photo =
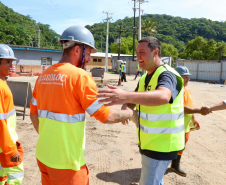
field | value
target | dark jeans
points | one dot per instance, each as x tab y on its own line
123	77
138	72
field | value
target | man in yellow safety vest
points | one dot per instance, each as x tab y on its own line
139	71
159	101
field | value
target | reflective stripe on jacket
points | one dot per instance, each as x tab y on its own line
8	135
62	95
161	127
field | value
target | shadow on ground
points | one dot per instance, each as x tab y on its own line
123	177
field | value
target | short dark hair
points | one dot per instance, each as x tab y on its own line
68	50
153	43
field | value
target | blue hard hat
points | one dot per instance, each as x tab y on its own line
182	70
80	35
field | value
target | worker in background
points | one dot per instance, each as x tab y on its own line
124	71
190	122
159	101
11	151
62	95
138	71
120	68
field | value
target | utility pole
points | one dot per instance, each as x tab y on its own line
39	38
119	47
32	43
106	53
220	56
134	26
139	32
101	42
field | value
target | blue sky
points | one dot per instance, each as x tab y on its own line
60	14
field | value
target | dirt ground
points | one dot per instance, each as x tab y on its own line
112	153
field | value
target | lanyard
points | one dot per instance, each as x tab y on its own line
83	56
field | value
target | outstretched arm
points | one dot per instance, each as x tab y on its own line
203	111
115	96
116	116
219	106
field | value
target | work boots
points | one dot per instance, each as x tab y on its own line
175	165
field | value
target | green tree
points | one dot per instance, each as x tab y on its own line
18	29
148	26
203	49
169	50
126	46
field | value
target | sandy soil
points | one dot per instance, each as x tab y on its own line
112	153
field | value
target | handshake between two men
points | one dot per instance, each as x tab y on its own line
117	96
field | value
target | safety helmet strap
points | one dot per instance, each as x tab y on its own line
83	56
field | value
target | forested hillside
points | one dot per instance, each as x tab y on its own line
172	30
17	29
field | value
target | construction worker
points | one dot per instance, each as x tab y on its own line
11	151
189	118
120	68
123	71
139	71
159	101
62	95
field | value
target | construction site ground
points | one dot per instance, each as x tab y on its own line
112	154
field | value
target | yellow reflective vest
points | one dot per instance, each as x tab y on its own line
161	128
123	70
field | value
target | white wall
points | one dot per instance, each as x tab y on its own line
29	57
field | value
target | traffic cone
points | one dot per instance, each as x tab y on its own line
102	79
43	68
119	81
31	74
13	71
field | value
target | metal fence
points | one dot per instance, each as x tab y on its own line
205	70
132	65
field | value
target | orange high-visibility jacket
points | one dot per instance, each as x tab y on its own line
187	102
8	135
62	95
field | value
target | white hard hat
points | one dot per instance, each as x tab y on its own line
124	62
6	52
